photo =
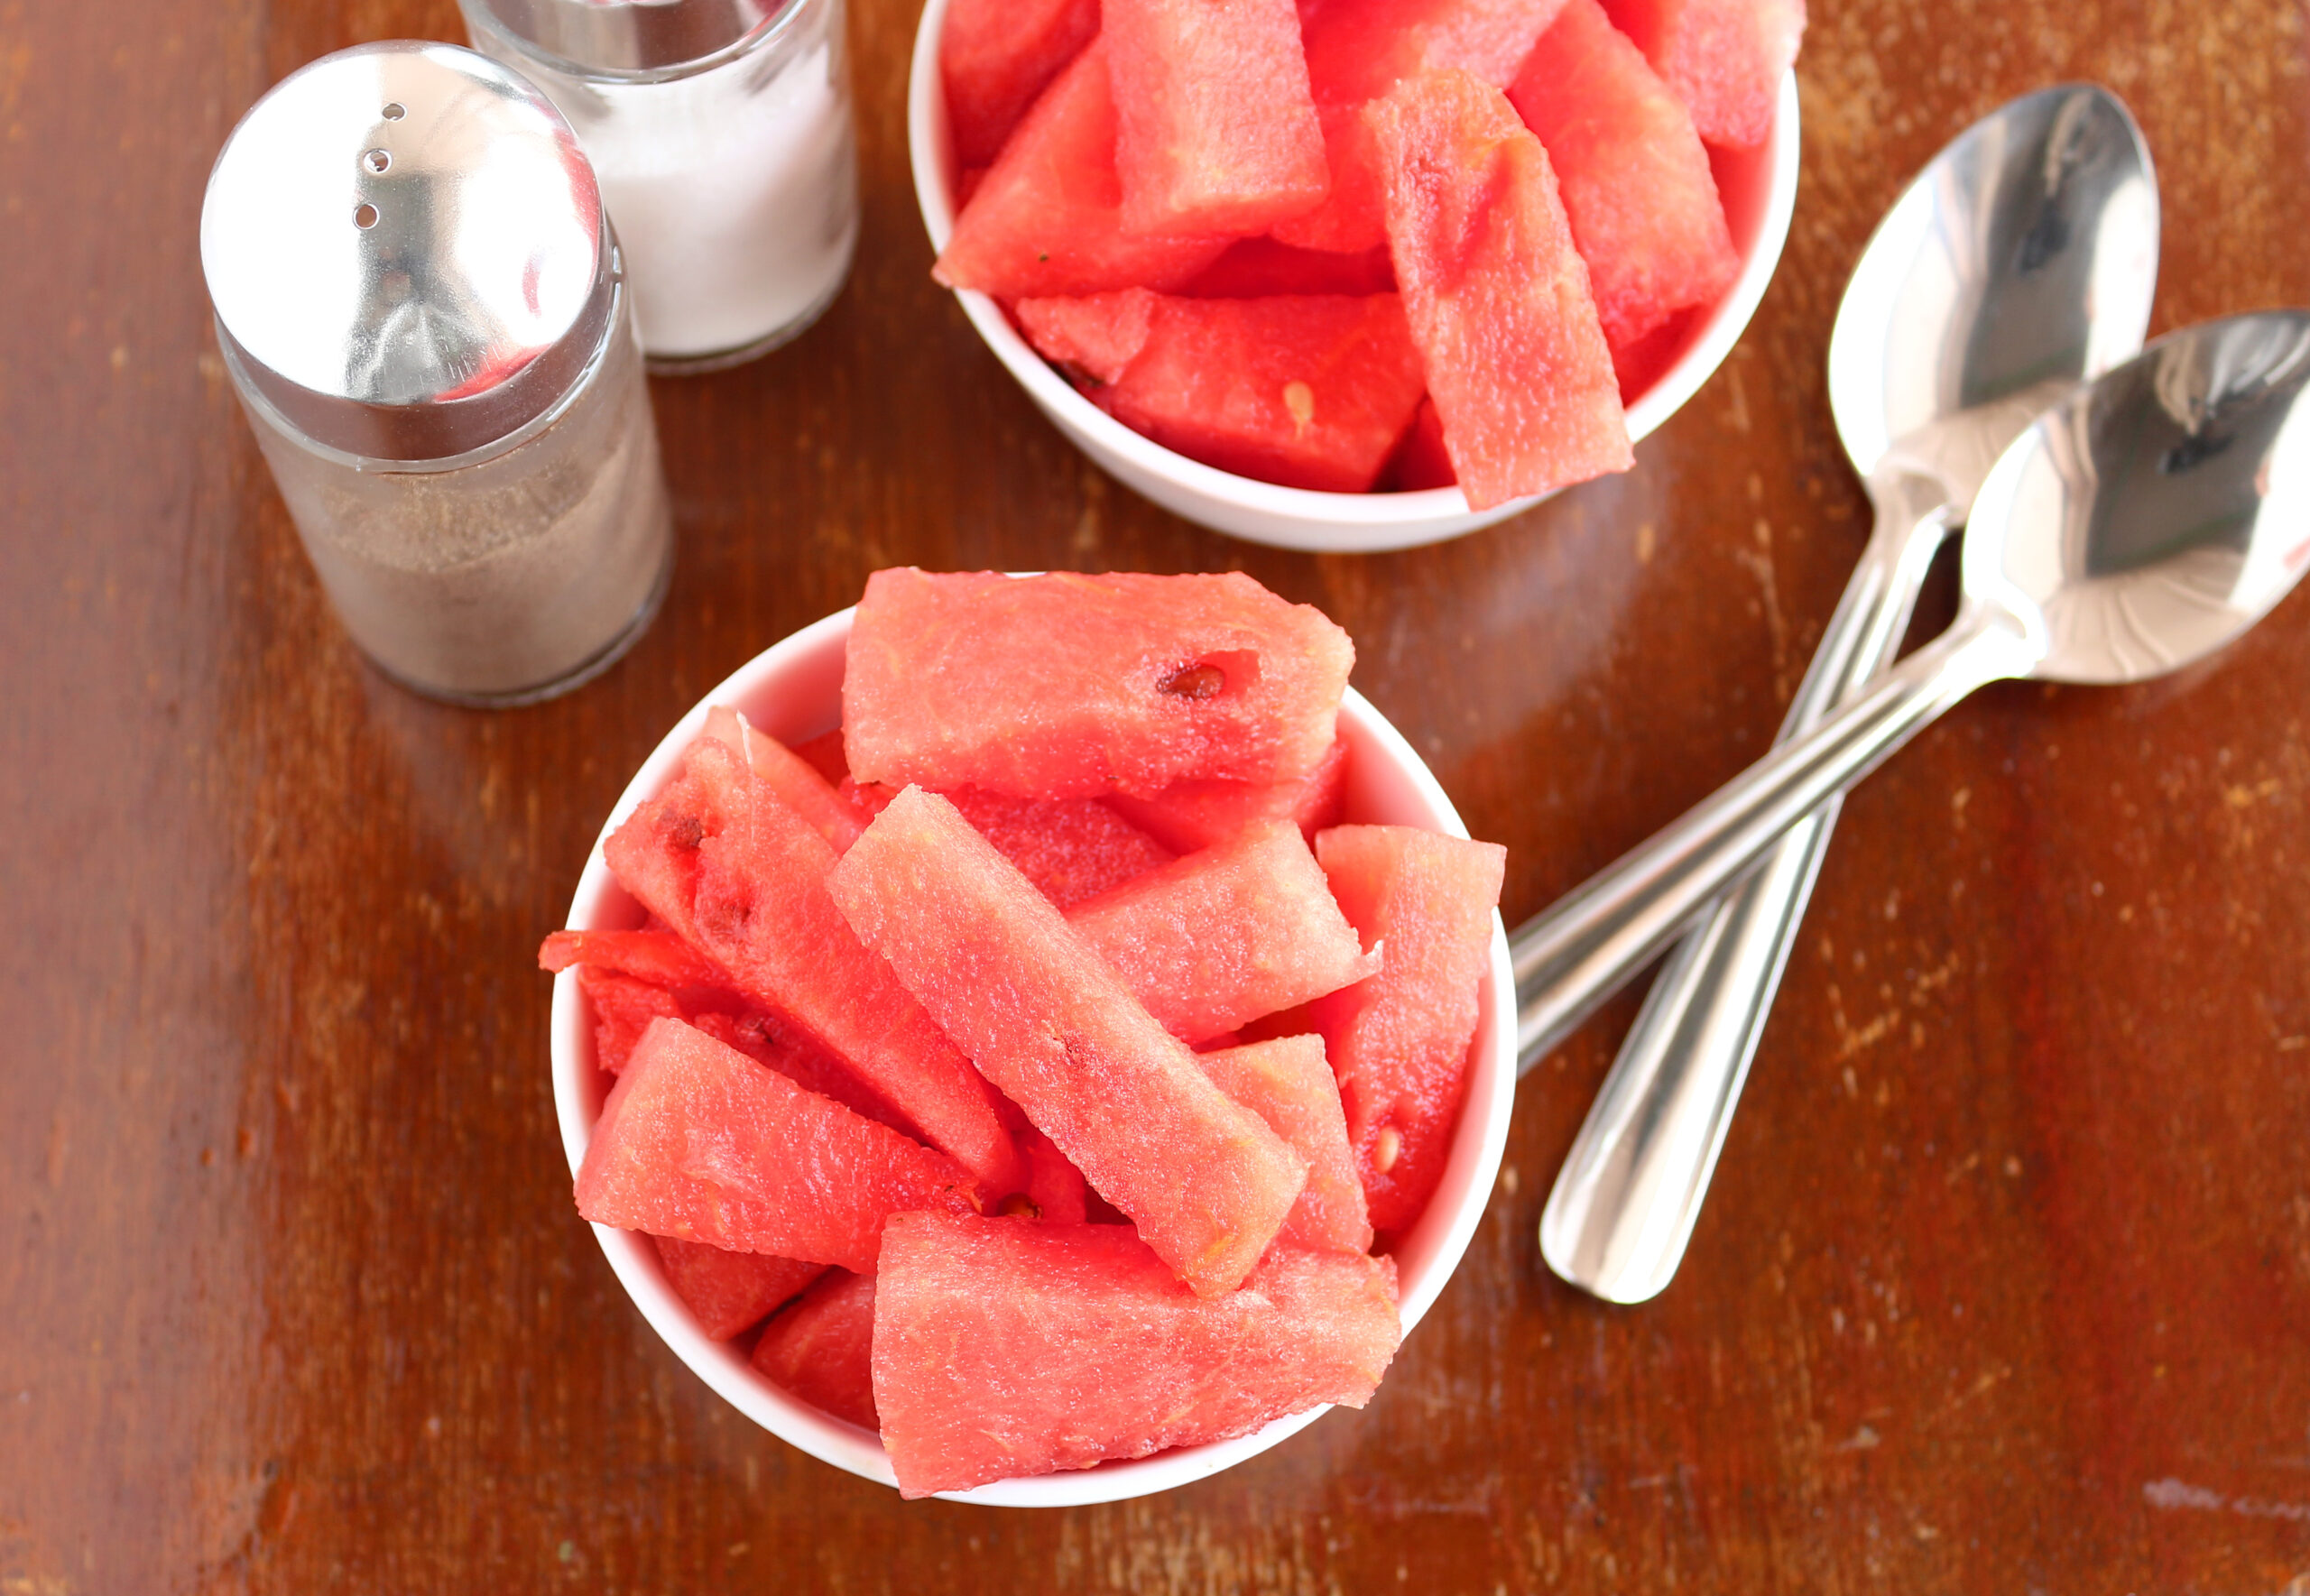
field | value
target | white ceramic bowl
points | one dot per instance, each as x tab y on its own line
1759	191
793	691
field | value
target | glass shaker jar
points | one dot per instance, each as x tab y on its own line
722	132
422	307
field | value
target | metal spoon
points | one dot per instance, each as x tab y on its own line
2018	264
2141	524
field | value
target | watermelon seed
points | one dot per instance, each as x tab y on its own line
1019	1205
1387	1149
1194	681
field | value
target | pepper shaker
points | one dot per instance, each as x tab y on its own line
423	312
722	132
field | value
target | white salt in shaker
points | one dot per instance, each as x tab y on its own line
422	307
722	132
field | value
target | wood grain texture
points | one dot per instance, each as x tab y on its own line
2005	1279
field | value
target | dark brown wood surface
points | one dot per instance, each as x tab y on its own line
2005	1282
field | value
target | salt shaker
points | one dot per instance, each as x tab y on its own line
722	132
422	310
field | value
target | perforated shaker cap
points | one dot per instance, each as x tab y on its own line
406	250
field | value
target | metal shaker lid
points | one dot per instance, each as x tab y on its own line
630	35
407	252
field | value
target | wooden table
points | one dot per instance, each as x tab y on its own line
2005	1282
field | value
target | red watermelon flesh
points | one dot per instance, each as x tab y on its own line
996	56
1070	848
1005	1347
821	1348
1724	57
823	753
1352	217
1635	181
1359	49
1308	391
1399	1042
1046	219
700	1143
623	1009
774	1045
1050	1023
1422	461
623	1006
1091	338
1192	814
1215	129
1070	685
788	775
741	877
1288	1083
730	1291
1497	296
658	958
1256	268
1228	934
1055	1187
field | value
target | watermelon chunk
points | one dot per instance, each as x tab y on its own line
1497	296
623	1009
1399	1042
823	753
996	56
821	1348
786	773
1724	57
1067	686
774	1045
700	1143
730	1291
1352	217
1422	461
1055	1187
741	877
1005	1347
1069	848
658	957
1226	934
1635	181
1195	813
1256	268
1288	1083
1048	216
1215	129
1044	1018
1308	391
1359	49
1093	338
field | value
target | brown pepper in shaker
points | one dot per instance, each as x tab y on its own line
421	302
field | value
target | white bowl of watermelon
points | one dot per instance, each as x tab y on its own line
792	692
1167	361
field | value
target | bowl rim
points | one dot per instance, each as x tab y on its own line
1357	522
809	660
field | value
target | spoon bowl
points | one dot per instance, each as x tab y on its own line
2174	497
2024	256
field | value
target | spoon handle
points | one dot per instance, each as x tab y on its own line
1623	1206
1571	957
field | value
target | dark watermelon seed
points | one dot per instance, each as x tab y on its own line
1194	681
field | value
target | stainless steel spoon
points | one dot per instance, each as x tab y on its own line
2141	524
2020	261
